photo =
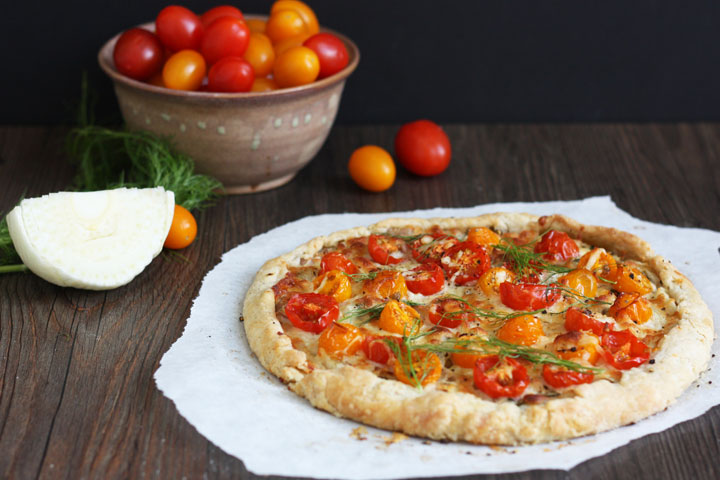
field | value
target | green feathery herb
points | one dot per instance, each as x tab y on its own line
409	238
9	259
371	313
361	277
526	261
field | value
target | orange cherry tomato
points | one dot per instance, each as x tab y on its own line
386	284
297	66
599	262
523	330
307	13
466	360
263	84
629	279
577	347
399	318
184	70
484	236
340	339
288	43
284	24
183	229
490	281
260	54
631	307
372	168
334	283
581	281
426	366
255	25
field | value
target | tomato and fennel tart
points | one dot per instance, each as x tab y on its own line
498	329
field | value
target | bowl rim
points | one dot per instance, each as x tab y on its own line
105	55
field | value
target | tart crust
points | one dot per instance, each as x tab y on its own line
358	394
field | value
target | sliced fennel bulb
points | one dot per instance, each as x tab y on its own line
91	240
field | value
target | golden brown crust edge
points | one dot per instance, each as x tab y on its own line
360	395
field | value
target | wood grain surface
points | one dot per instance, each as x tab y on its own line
77	397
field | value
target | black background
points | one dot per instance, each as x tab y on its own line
451	61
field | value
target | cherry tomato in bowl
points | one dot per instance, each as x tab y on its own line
138	54
220	11
331	52
225	37
184	70
231	74
179	28
423	148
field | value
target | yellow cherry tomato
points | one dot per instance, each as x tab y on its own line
629	279
579	347
255	25
581	281
260	54
263	84
483	236
631	307
334	283
386	284
372	168
184	70
490	281
523	330
468	360
296	66
307	13
340	339
599	262
288	43
183	229
426	366
397	317
284	24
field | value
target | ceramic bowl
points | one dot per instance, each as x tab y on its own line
249	141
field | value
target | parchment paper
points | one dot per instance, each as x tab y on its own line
220	388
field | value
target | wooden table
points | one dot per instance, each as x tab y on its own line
77	397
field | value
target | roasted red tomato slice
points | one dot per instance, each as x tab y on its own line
528	296
450	313
500	377
377	350
386	250
337	261
560	377
465	262
557	246
312	312
577	321
431	247
623	350
426	279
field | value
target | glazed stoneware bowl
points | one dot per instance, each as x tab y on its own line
249	141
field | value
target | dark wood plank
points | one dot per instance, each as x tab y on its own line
77	397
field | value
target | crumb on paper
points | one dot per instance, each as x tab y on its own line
497	448
395	437
359	433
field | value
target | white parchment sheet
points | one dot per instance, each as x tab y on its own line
221	389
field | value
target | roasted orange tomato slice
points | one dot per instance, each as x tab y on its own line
483	236
523	330
426	367
334	283
490	281
599	262
340	340
629	279
631	307
397	317
387	284
581	281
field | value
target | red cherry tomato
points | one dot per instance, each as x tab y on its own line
557	246
225	37
312	312
450	313
623	350
377	350
337	261
221	11
559	377
431	247
423	148
138	54
500	377
231	74
178	28
386	250
577	321
465	262
528	296
426	279
331	52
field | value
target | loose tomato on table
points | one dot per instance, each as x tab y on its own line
465	262
302	9
337	261
631	307
225	37
231	74
184	70
397	317
386	250
376	348
557	246
577	321
183	229
179	28
423	148
371	167
138	54
623	350
523	330
491	280
334	283
312	312
426	279
340	339
528	296
450	313
331	52
220	11
561	377
423	367
500	377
